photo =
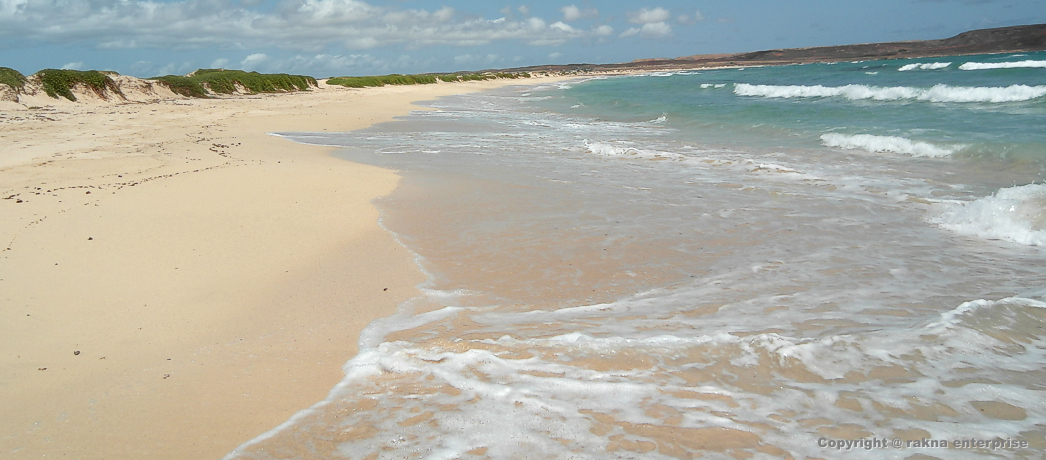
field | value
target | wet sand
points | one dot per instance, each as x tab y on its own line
175	281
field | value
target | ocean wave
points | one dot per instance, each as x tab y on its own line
1016	214
927	66
893	144
1003	65
937	93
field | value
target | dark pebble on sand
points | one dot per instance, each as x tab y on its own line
76	353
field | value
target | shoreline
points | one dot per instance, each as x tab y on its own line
175	281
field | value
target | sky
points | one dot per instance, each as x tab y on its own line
325	38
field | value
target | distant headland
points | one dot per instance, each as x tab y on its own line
983	41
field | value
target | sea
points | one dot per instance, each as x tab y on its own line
842	260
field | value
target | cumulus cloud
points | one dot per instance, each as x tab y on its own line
573	13
602	31
254	61
559	25
303	25
219	63
652	31
74	66
646	16
655	30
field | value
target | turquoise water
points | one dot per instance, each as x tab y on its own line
995	113
762	263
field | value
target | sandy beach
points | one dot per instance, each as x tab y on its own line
174	280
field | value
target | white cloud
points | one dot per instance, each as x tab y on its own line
311	26
361	43
74	66
646	16
536	23
573	13
559	25
444	14
655	30
219	63
255	58
602	31
254	61
524	9
554	56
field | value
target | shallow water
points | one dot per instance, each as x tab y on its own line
755	263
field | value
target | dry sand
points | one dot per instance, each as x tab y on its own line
173	280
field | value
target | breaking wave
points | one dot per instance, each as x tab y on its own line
1015	214
893	144
1003	65
937	93
928	66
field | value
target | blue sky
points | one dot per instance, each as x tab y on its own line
326	38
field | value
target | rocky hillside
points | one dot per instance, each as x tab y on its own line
984	41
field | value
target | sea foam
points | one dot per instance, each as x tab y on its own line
1003	65
1015	214
893	144
937	93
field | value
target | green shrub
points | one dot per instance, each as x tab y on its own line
397	79
59	82
223	81
184	86
12	78
382	80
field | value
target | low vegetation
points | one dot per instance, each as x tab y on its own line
59	82
12	78
221	81
425	79
382	80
